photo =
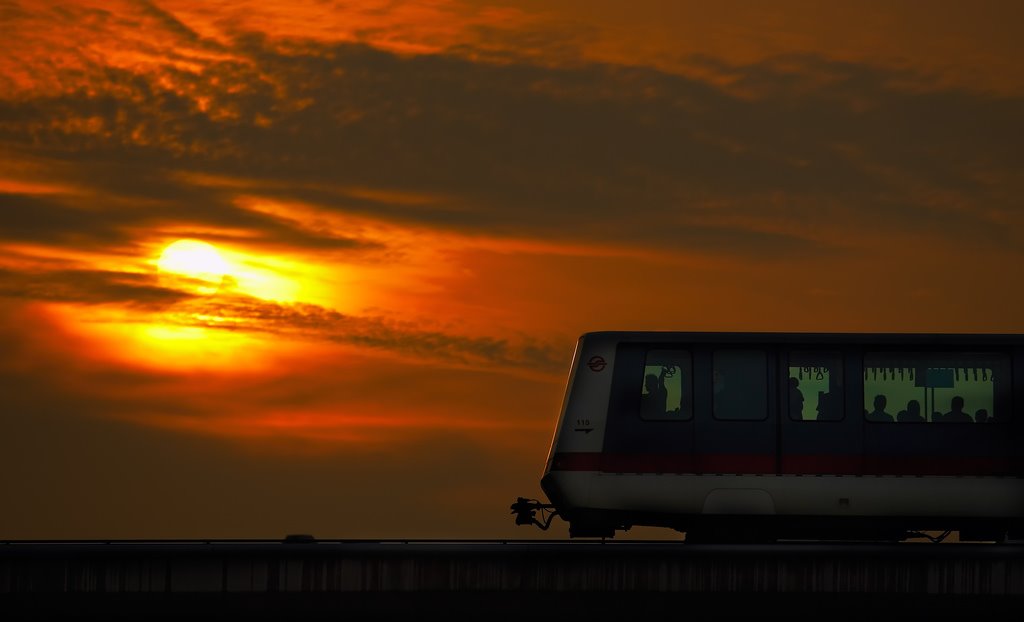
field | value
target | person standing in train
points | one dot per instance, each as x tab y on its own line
654	401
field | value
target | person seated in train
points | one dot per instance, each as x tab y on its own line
796	399
879	414
956	412
981	416
936	416
912	414
655	400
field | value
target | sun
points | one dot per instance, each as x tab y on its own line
196	262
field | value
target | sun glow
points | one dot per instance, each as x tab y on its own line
202	268
230	313
197	262
147	341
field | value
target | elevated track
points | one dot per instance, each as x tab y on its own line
503	580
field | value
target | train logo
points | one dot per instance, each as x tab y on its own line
596	363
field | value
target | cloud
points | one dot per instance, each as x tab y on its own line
240	312
793	152
796	158
88	287
119	215
234	311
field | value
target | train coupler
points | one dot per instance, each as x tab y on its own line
526	512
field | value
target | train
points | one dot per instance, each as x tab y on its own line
762	437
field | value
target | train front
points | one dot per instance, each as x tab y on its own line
575	453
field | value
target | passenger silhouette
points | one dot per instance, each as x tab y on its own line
956	412
655	401
981	416
828	408
796	399
911	414
936	416
879	414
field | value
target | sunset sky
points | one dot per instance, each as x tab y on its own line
278	267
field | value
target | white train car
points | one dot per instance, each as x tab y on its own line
764	436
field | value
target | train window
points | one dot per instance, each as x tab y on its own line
815	382
930	387
740	381
667	390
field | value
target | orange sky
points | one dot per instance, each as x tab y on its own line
403	214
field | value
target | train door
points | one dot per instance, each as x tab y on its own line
736	410
650	417
820	428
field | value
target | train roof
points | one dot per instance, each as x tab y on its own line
797	338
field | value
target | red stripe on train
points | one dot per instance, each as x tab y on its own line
807	464
823	464
936	465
